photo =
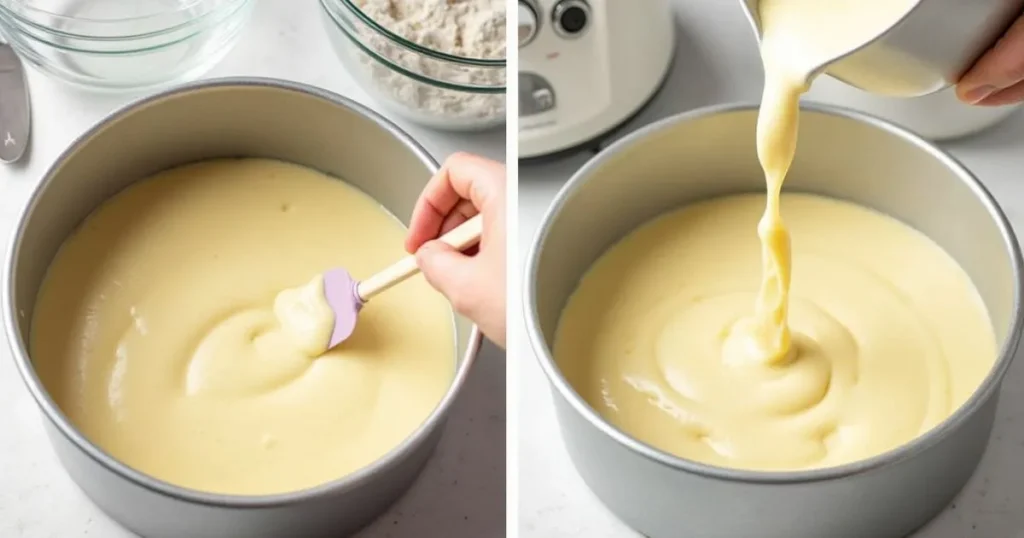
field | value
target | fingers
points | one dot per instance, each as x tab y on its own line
1013	94
472	281
471	177
463	177
450	272
1002	67
462	212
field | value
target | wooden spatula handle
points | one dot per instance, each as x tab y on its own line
460	238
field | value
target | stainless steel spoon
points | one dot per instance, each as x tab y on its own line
15	111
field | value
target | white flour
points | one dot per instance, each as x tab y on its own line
464	28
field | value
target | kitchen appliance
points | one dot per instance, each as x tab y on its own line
710	152
587	66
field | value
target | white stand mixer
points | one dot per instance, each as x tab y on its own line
587	66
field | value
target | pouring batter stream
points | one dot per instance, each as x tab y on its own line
798	38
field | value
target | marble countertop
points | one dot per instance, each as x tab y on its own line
717	62
461	494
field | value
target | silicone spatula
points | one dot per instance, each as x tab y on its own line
346	296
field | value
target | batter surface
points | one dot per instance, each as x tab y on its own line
163	333
863	337
888	336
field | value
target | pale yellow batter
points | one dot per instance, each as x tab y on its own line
889	336
681	336
799	37
163	333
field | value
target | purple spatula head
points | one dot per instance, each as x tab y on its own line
340	290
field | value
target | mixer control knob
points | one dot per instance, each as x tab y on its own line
571	18
536	96
529	23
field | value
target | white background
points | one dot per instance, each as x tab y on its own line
717	62
461	493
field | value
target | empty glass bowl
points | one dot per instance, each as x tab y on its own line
123	44
423	85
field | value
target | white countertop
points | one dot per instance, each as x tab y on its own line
461	494
717	62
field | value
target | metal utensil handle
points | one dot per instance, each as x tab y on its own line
460	238
15	106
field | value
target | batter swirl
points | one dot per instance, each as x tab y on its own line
163	333
888	336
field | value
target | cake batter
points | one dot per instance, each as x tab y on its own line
680	337
889	336
798	37
180	329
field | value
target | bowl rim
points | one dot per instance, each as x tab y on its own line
59	420
24	14
351	6
408	72
561	386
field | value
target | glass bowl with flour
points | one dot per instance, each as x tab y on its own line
438	63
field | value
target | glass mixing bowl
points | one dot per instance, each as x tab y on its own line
423	85
123	44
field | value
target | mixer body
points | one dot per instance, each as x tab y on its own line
586	66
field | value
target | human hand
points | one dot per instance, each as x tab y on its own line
997	78
473	281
